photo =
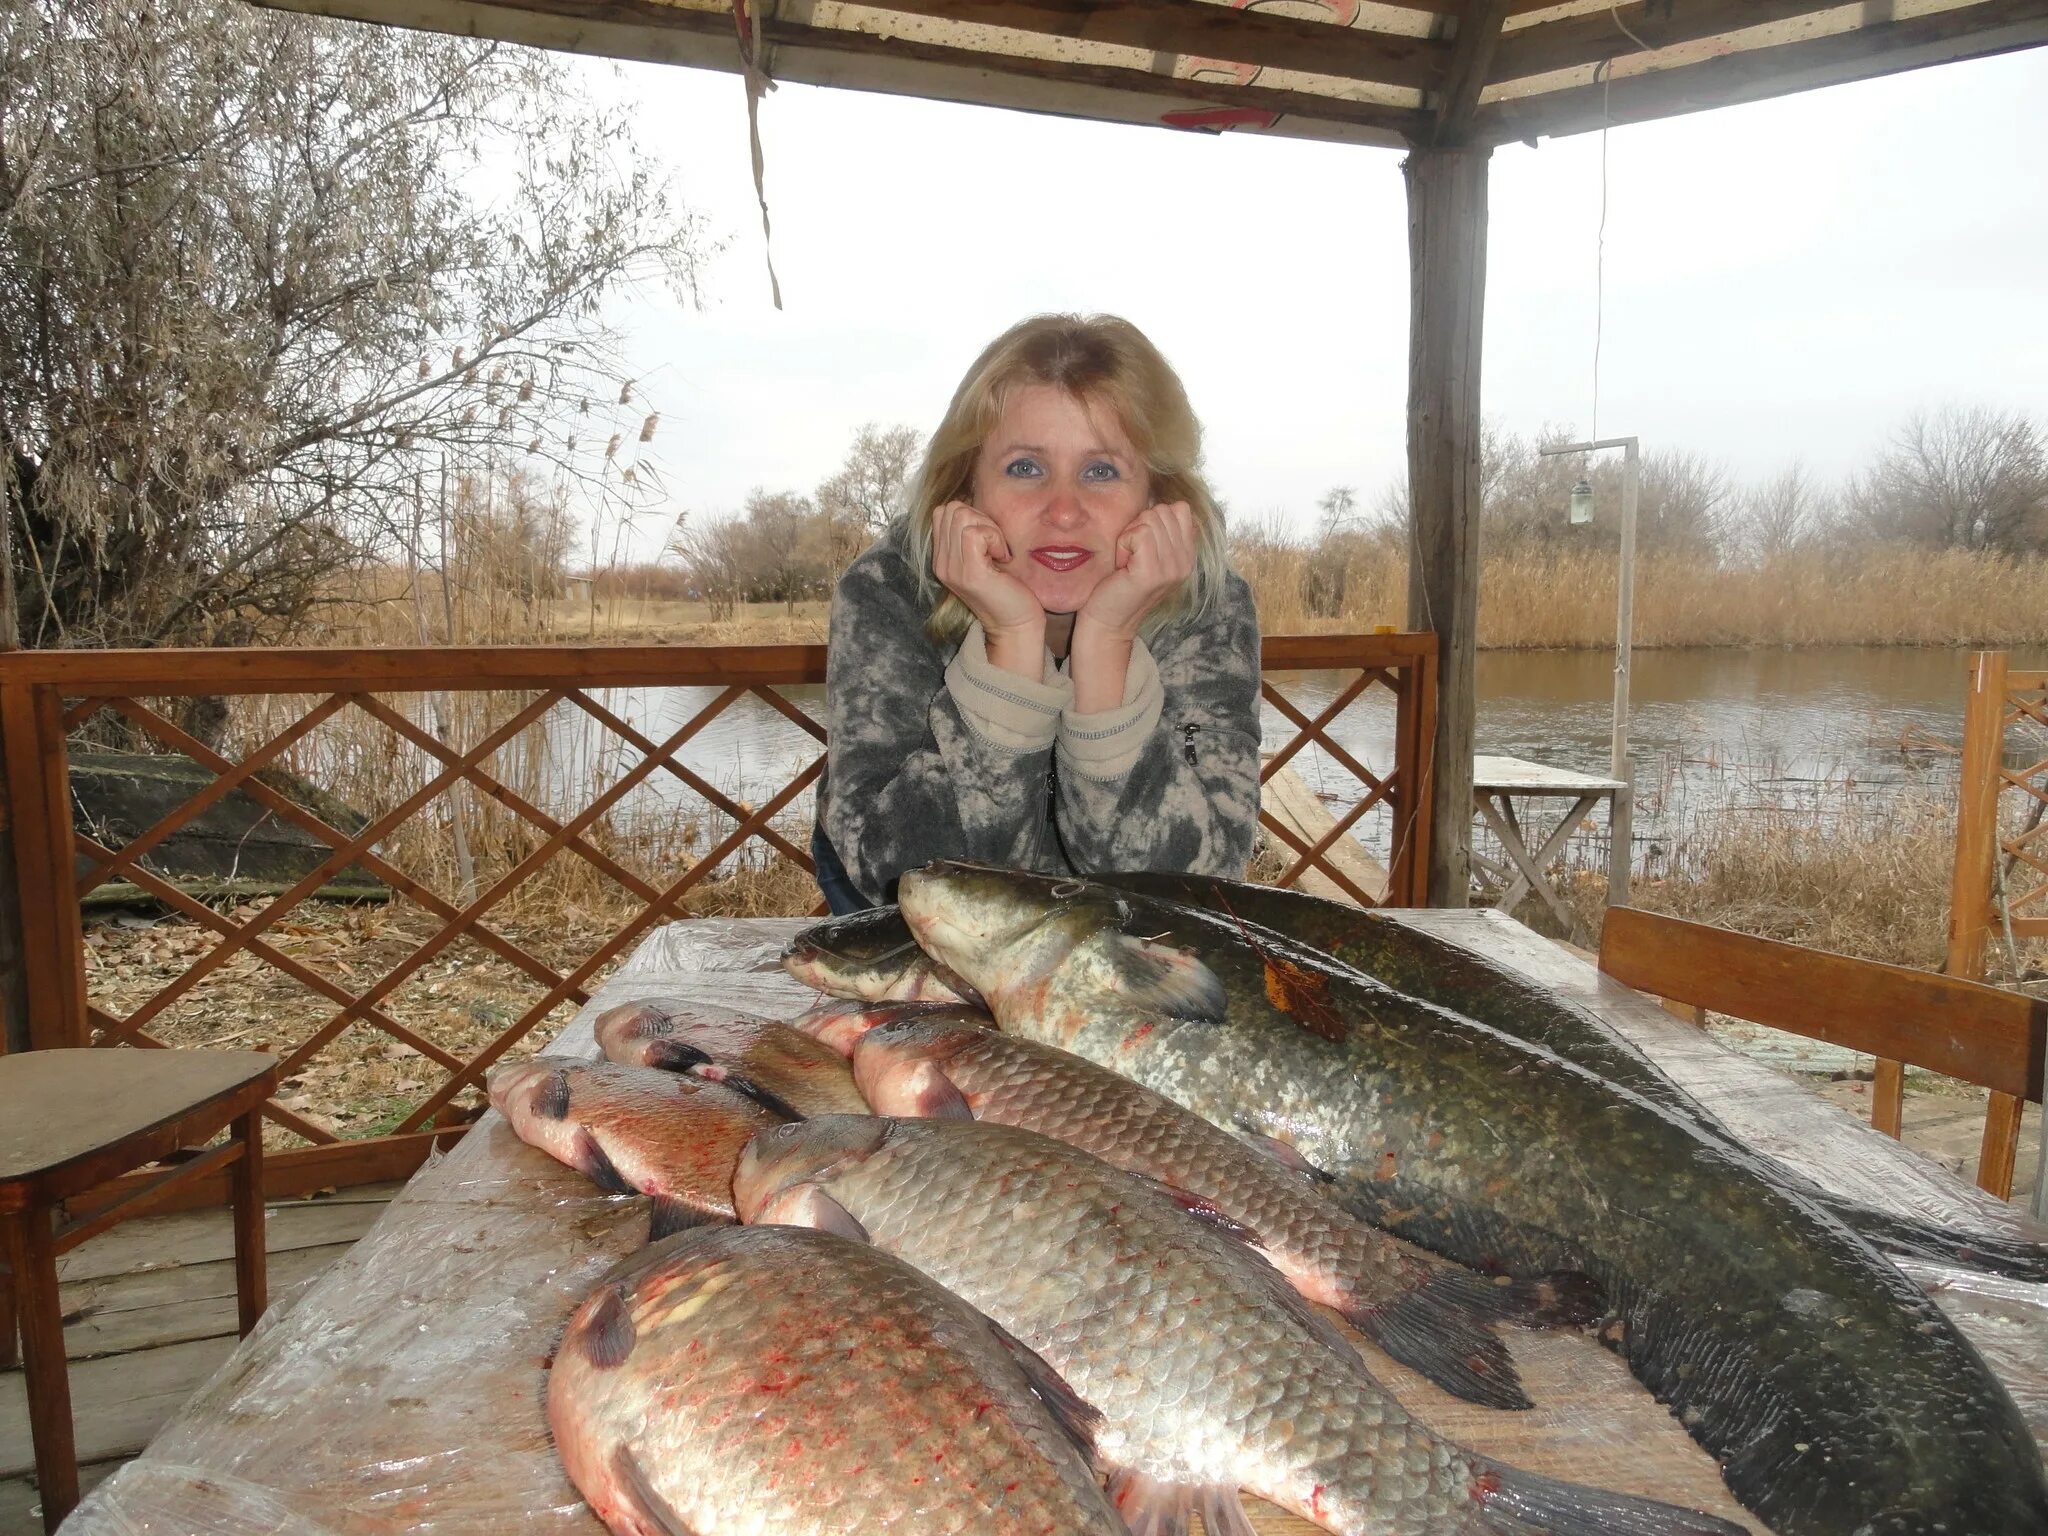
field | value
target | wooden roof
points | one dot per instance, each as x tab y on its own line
1398	72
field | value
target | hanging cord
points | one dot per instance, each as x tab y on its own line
1603	72
758	85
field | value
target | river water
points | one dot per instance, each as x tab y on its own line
1712	732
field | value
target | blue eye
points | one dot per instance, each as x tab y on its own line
1101	469
1021	469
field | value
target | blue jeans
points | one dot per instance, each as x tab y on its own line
841	895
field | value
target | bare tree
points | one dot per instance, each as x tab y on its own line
1961	478
712	548
259	272
1781	516
1339	507
857	502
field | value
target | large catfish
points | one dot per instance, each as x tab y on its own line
1438	971
1839	1400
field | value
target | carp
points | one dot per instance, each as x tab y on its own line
767	1381
634	1130
1428	1314
1211	1375
1439	971
1838	1399
772	1062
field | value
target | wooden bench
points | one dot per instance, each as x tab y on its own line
70	1120
1904	1017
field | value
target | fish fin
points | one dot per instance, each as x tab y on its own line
1440	1329
1222	1512
768	1099
654	1514
1150	1507
1511	1502
933	1095
603	1172
810	1206
671	1216
672	1055
1076	1419
1281	1153
552	1102
1165	980
607	1334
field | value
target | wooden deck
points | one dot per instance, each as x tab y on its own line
150	1306
149	1314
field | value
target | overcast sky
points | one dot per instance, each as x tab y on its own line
1783	280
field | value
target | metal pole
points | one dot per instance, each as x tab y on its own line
1621	810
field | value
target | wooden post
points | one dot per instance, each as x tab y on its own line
14	1034
1969	901
39	800
1447	295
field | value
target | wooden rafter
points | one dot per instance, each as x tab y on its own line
1576	41
1967	31
1206	32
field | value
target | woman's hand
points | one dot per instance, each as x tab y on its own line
968	556
1154	555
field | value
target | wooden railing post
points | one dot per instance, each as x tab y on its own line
1969	917
39	799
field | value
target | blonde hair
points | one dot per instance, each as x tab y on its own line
1104	362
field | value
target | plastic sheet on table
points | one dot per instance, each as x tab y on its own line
404	1390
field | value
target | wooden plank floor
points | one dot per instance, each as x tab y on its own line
150	1311
149	1314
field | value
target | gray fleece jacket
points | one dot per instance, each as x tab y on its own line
937	753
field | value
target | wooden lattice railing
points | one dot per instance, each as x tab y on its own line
290	702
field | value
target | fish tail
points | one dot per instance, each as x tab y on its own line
1440	1329
1510	1502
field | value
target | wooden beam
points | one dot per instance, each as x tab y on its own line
1577	41
297	1171
1447	300
1470	65
703	39
1204	32
1969	31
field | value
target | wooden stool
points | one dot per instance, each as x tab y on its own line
70	1121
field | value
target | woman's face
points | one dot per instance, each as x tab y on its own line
1062	481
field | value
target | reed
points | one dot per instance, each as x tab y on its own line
1547	597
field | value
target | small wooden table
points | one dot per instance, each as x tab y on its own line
1496	784
69	1122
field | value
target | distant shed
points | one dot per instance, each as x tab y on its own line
1444	79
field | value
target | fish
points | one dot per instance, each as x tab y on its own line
1426	1313
841	1022
871	956
771	1062
1837	1398
1438	971
740	1381
1210	1374
635	1130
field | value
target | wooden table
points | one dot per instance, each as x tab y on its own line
70	1120
1497	782
404	1388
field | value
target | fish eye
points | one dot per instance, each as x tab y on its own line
784	1132
1068	889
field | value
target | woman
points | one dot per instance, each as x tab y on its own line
1047	663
